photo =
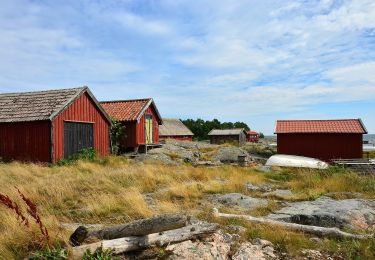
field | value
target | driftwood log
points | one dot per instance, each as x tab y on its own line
315	230
135	228
132	243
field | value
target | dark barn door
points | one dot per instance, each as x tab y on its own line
77	136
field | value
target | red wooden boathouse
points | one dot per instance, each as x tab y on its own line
322	139
47	126
141	119
174	129
252	136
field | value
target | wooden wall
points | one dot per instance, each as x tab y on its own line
321	146
82	110
25	141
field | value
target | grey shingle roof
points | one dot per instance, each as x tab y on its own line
173	127
35	106
235	131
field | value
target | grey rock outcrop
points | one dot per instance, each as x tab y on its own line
279	194
237	200
230	154
356	214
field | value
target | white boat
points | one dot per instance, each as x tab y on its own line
284	160
368	148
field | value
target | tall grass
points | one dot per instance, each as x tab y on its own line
113	190
106	191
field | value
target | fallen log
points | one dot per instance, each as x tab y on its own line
315	230
132	243
135	228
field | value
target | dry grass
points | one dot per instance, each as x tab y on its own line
107	192
112	191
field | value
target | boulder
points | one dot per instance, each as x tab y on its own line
177	151
237	200
259	188
163	158
215	247
357	214
230	154
249	251
279	194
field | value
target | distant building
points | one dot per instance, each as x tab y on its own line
252	136
322	139
141	119
174	129
220	136
47	126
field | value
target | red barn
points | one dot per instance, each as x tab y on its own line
141	119
175	129
48	126
252	136
322	139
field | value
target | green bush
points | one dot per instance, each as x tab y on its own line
87	154
98	255
57	253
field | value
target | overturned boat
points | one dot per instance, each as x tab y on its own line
284	160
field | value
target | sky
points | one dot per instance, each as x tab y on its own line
252	61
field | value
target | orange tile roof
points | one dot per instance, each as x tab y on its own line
251	133
320	126
126	110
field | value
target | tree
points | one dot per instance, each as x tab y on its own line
117	135
201	128
261	135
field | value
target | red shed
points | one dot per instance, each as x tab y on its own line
174	129
252	136
47	126
322	139
141	119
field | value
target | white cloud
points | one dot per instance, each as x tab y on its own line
363	73
142	25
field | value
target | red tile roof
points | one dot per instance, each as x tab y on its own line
126	110
251	133
320	126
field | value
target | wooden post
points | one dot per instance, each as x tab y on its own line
242	160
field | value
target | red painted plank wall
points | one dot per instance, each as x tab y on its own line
322	146
83	109
25	141
130	139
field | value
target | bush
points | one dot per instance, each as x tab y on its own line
87	154
117	135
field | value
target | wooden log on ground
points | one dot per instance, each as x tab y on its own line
314	230
132	243
135	228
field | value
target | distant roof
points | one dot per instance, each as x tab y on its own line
321	126
40	105
251	133
128	110
173	127
235	131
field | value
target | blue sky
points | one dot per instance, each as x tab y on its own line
253	61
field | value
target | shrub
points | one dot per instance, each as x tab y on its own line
87	154
117	135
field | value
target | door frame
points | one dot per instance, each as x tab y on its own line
149	116
79	122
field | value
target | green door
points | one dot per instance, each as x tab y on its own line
148	129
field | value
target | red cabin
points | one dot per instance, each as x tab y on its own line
322	139
48	126
175	129
141	119
252	136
